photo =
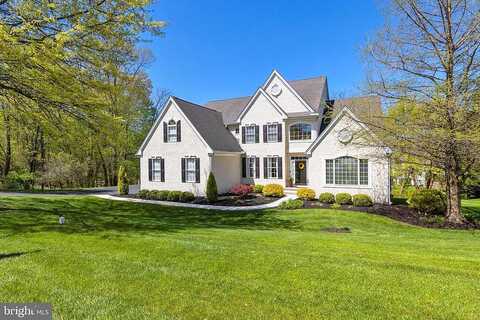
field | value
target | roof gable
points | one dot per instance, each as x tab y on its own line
261	92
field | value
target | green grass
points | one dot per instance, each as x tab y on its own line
116	260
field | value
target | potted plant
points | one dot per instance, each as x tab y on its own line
290	182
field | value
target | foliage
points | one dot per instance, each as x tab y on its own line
291	204
273	190
335	206
174	195
326	197
343	198
19	180
143	194
187	196
212	191
306	194
362	200
122	181
258	188
428	201
241	190
472	210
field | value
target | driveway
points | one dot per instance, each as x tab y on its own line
80	192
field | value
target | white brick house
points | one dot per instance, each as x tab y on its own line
287	132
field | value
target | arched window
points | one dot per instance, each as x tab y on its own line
346	171
300	131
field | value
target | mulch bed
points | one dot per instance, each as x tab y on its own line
398	212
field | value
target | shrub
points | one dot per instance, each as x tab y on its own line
428	202
154	195
327	197
343	198
174	195
362	200
212	191
19	180
335	206
258	188
241	190
122	185
273	190
291	204
143	194
162	195
187	197
306	194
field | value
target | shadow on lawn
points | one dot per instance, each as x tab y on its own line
89	215
4	256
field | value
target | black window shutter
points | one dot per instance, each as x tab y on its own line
279	168
183	170
197	170
257	134
279	134
264	133
150	167
244	167
165	132
257	167
162	170
243	135
179	131
265	169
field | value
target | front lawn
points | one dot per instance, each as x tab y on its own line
117	260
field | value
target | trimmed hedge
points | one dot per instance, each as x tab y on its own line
306	194
362	200
174	196
327	197
212	190
143	194
122	186
187	197
258	188
343	198
273	190
291	204
428	201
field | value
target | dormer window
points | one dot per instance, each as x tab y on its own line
172	131
301	131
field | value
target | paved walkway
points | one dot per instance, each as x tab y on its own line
200	206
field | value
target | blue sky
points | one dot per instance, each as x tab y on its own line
216	49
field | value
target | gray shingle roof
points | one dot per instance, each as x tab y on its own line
209	124
309	89
364	107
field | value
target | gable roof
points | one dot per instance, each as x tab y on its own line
309	89
209	125
364	107
261	92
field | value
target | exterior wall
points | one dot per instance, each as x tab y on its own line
260	113
233	130
227	171
301	146
287	99
331	148
190	145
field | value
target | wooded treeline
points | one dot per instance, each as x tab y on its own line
75	100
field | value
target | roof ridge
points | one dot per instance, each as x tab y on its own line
196	104
225	99
309	78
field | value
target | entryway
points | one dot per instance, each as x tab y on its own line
298	170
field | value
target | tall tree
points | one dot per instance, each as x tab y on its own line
426	58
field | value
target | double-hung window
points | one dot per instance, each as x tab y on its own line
172	131
272	168
301	131
346	171
251	167
272	133
250	134
190	170
156	169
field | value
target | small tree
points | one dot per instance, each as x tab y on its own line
122	181
212	192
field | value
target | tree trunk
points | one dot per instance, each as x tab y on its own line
453	213
8	145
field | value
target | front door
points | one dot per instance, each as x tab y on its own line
301	172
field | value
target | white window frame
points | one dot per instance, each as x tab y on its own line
190	169
272	164
251	167
156	171
359	177
172	137
250	136
272	132
303	136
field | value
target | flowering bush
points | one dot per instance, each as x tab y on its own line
241	190
273	190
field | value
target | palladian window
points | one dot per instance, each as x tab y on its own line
300	131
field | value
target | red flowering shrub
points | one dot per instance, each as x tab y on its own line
241	190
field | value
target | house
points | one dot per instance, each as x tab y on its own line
287	132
